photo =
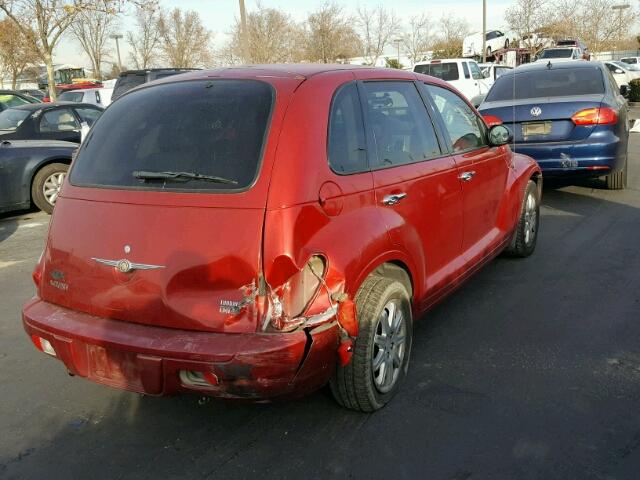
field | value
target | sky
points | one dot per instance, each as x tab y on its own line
219	16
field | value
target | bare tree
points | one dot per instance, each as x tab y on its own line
593	21
329	35
377	27
44	22
531	20
15	54
144	41
184	40
91	29
271	37
417	39
452	33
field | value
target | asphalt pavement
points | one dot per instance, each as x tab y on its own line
530	371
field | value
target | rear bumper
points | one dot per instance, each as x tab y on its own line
148	359
601	153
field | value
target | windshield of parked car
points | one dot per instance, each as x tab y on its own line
556	53
475	71
558	82
444	71
12	118
201	128
627	66
71	97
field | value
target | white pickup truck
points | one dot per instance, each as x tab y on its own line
462	73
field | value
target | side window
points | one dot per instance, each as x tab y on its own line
611	67
59	120
401	126
89	115
346	144
466	130
465	68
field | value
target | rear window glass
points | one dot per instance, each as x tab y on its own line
12	118
71	97
209	127
557	53
127	82
444	71
557	82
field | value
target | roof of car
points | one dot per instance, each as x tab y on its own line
291	70
41	106
543	65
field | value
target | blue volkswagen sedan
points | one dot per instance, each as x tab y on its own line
569	116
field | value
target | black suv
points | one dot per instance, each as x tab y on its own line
132	78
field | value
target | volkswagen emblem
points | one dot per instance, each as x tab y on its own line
124	266
536	111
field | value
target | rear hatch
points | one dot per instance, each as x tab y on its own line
136	237
538	105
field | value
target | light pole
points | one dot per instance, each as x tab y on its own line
619	8
484	31
116	37
398	41
243	32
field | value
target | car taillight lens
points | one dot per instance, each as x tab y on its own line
302	287
43	345
595	116
492	120
36	275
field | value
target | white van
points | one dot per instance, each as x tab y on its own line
462	73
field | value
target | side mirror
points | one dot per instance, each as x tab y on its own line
624	90
499	135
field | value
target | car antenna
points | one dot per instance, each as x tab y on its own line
549	65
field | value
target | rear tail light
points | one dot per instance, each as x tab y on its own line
596	116
43	345
36	275
191	378
492	120
297	293
302	287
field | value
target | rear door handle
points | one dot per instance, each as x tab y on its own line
394	198
466	176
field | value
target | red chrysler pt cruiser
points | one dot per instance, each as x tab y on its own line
259	232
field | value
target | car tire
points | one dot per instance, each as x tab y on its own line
488	52
617	180
526	235
361	385
506	43
48	179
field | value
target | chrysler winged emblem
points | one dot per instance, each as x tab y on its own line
125	266
536	111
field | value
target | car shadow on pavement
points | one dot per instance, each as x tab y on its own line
509	378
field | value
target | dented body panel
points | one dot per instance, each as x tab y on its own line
255	288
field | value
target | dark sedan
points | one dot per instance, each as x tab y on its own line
47	121
32	172
569	116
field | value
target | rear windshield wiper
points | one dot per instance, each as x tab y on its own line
181	177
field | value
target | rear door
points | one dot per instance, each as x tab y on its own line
482	170
415	180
